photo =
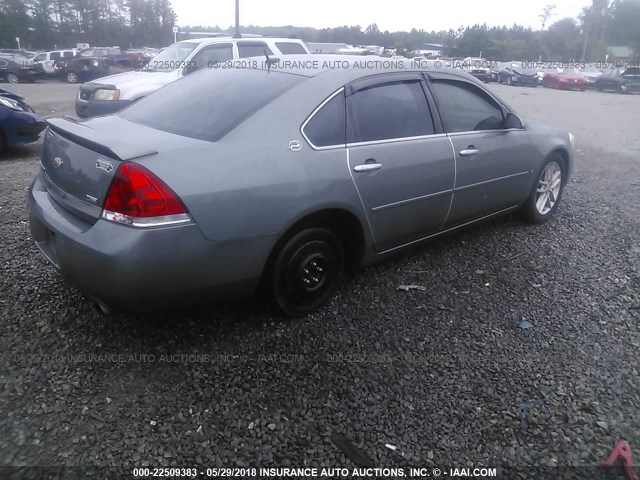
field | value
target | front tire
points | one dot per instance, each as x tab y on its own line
307	271
13	78
547	190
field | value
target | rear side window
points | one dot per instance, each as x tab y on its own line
208	104
464	107
327	127
254	49
68	54
388	110
289	48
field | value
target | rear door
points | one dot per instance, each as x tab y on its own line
493	164
400	162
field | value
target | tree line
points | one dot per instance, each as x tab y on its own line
46	24
43	24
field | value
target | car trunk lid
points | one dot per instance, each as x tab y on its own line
78	165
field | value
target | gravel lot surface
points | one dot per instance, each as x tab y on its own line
446	375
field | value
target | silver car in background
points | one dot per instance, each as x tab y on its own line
288	175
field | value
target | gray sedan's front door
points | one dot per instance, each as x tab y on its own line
402	168
493	164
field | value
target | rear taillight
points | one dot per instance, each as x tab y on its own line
138	198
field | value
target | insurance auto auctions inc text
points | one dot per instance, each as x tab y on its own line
357	472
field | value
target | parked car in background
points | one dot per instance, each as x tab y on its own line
565	78
495	71
19	123
113	93
478	67
282	178
49	60
518	73
591	73
83	69
621	80
16	68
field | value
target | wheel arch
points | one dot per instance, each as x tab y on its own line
342	222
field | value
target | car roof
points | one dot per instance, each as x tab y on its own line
347	68
227	38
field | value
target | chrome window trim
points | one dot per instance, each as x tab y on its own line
394	140
471	132
313	114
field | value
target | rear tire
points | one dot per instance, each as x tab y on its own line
72	77
306	272
547	190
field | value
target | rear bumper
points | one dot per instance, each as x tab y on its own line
133	268
527	81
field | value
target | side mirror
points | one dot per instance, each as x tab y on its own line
512	121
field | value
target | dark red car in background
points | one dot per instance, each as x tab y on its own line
565	78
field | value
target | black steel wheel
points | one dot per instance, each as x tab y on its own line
307	271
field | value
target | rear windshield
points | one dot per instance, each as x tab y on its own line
208	104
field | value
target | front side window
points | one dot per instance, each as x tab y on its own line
388	110
290	48
172	57
41	58
254	49
464	107
211	55
68	54
54	55
327	127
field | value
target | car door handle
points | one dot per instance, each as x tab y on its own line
470	150
366	167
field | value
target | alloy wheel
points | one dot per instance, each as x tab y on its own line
549	185
13	78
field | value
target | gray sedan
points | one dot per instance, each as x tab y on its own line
279	177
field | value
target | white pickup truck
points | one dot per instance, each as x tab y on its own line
113	93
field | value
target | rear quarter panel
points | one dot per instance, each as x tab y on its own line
251	184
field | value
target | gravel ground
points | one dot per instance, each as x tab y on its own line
446	375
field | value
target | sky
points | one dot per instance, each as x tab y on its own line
388	15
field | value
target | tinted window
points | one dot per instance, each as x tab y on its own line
209	103
327	126
288	48
68	54
54	55
210	55
390	110
41	58
253	50
464	107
